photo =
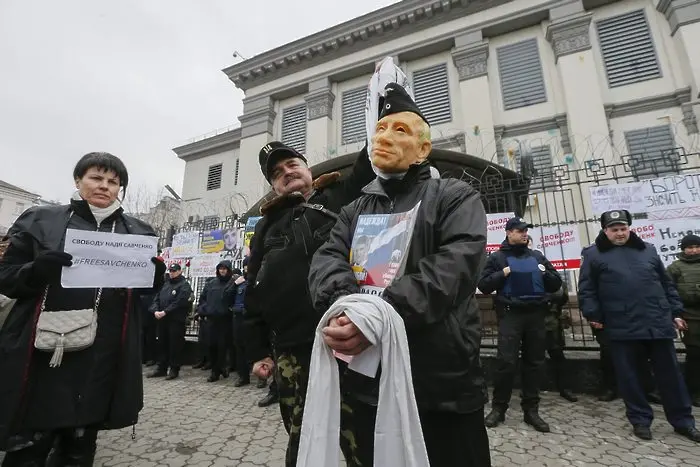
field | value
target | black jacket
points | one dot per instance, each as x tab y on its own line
493	278
627	289
435	296
174	298
277	297
101	385
217	294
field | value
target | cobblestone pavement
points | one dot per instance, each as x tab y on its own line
189	422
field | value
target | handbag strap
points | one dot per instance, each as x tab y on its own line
99	291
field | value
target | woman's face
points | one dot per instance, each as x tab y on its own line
98	187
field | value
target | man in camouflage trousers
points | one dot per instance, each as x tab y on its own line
685	272
279	312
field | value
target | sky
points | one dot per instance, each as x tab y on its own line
135	78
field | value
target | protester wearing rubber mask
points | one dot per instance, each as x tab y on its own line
434	296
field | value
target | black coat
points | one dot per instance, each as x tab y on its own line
99	386
435	296
277	297
218	292
627	289
174	298
493	278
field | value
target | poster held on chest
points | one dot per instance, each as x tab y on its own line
109	260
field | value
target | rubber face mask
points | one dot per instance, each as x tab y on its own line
400	141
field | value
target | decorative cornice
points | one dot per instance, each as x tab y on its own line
257	121
570	35
394	21
690	120
648	104
216	144
448	142
320	104
471	61
526	128
679	12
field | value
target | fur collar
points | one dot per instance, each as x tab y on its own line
604	244
294	199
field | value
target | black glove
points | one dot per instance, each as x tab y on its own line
159	278
48	265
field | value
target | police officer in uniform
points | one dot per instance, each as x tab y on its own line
523	279
277	301
170	307
625	290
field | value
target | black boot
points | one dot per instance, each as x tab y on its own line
159	373
199	364
495	417
271	398
654	398
241	382
213	377
642	432
696	401
691	433
262	383
207	366
77	449
150	363
532	418
172	374
607	395
568	395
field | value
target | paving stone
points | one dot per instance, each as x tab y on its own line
189	422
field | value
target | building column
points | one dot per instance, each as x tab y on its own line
320	134
569	34
470	57
684	18
256	130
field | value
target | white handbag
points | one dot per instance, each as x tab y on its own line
66	330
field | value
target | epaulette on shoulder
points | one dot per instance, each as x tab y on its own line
326	180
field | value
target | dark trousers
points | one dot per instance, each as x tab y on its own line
451	439
171	342
220	330
554	341
71	447
519	331
674	394
607	369
149	334
692	370
239	338
203	339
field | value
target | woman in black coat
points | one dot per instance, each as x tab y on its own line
93	389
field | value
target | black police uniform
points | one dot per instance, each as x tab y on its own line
521	302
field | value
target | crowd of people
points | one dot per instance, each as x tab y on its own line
264	319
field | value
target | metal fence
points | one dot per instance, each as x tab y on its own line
558	196
561	197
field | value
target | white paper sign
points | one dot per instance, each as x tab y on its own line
560	244
666	235
185	244
109	260
204	265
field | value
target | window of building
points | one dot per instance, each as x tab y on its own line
432	92
214	177
210	222
236	170
19	209
652	151
520	71
294	127
353	115
627	48
542	165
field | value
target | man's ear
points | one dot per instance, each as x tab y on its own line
424	151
